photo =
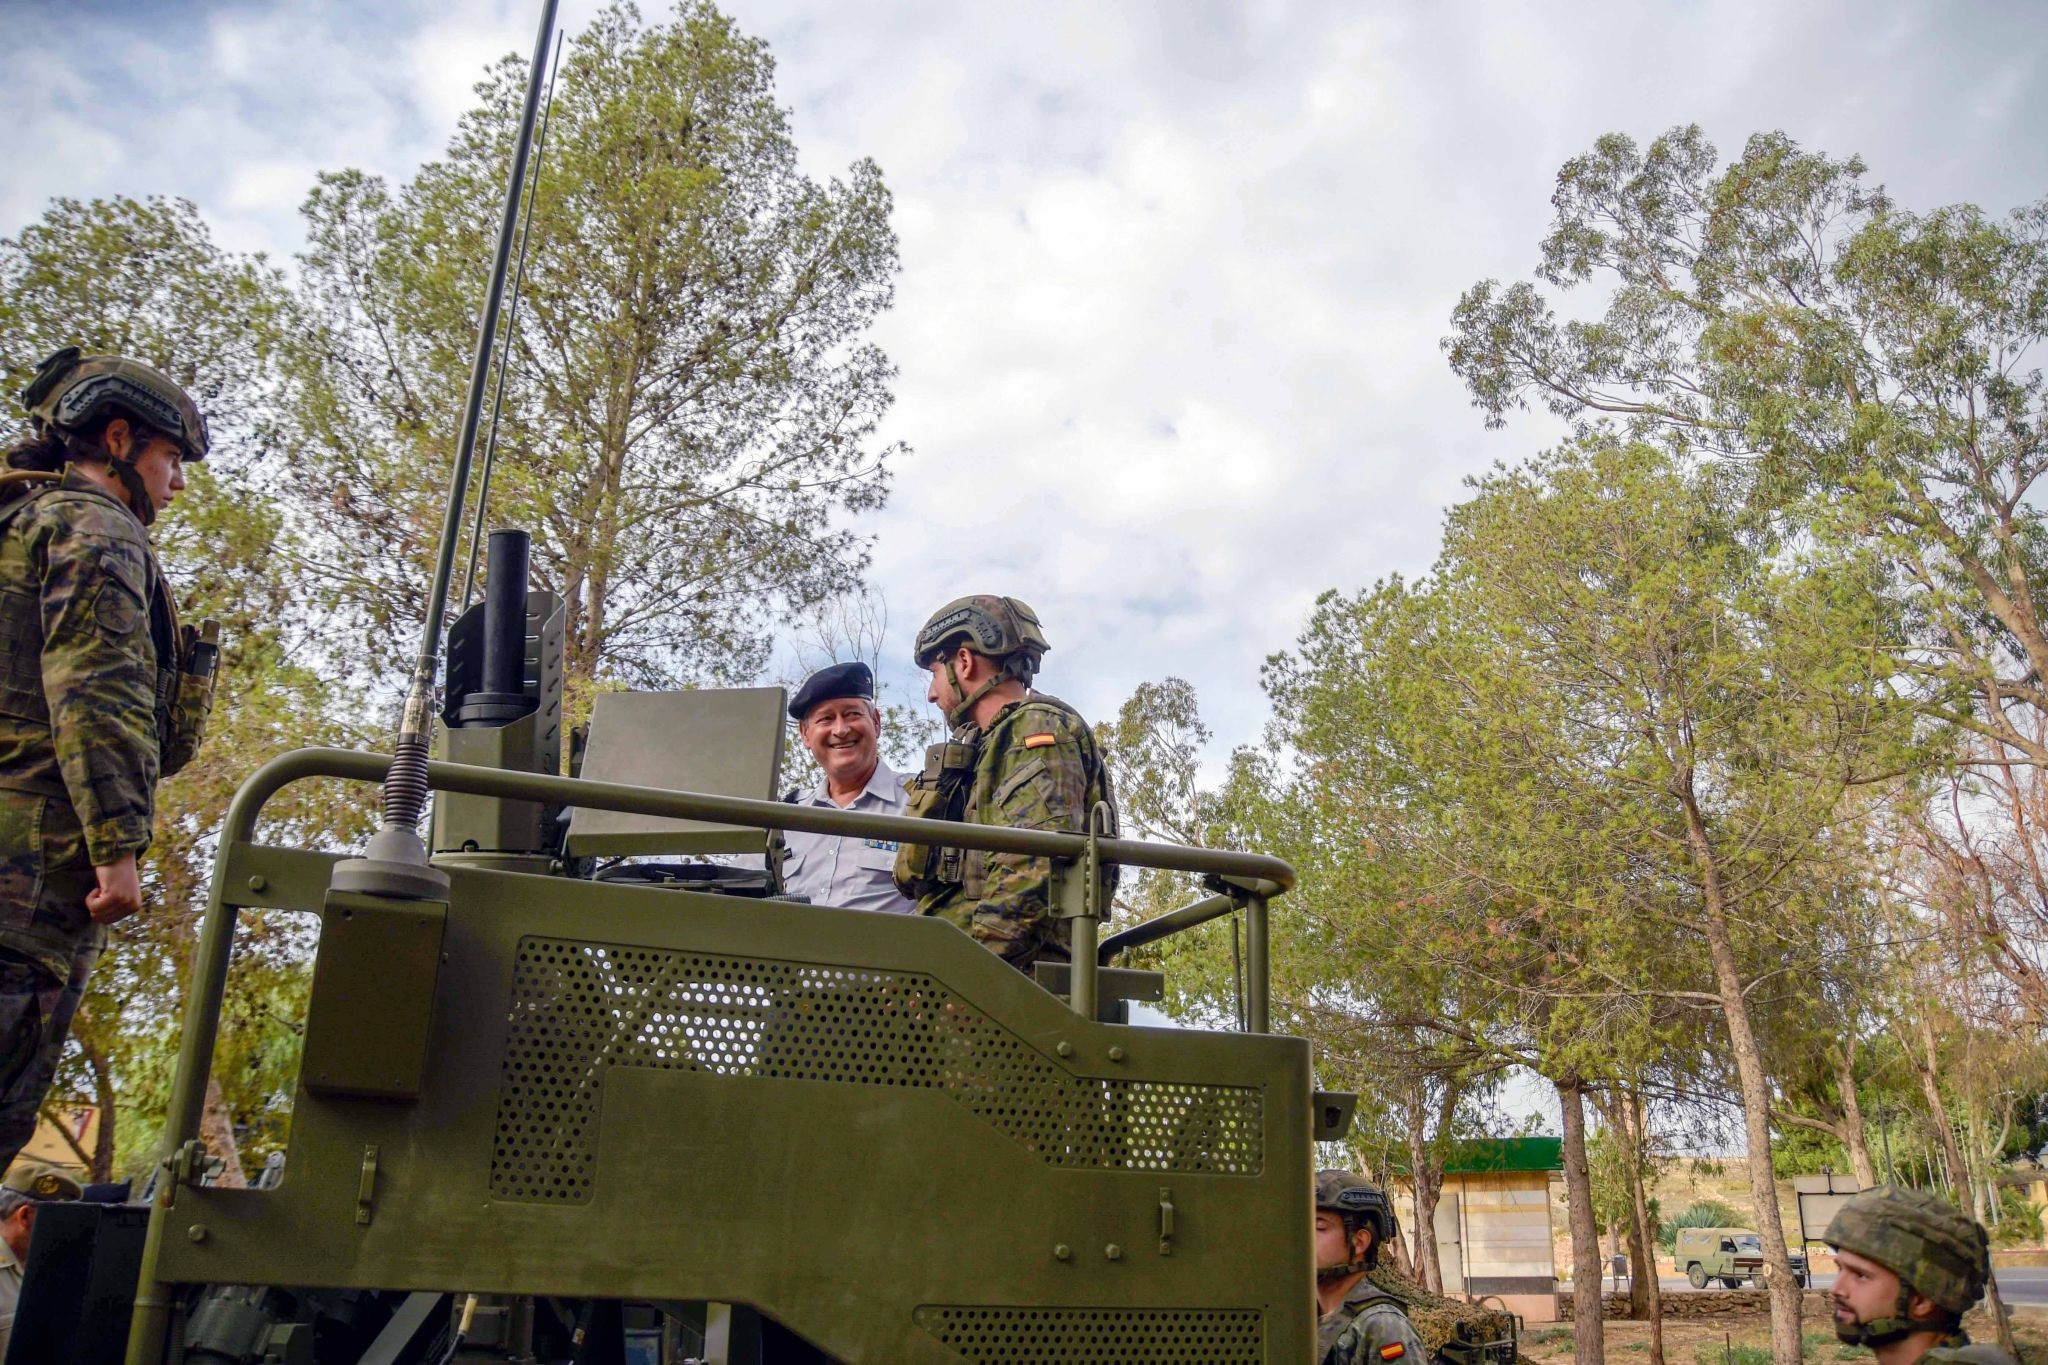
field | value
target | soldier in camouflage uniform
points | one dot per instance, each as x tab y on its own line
1909	1266
101	690
1018	758
1359	1322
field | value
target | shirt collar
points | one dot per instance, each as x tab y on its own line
884	784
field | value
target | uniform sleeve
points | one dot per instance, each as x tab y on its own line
1039	785
1385	1334
99	671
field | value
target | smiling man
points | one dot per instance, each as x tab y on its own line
1910	1266
839	723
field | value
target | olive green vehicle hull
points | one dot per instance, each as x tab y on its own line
865	1126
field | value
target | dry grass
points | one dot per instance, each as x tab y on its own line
1746	1340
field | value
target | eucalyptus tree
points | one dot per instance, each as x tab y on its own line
691	402
1868	369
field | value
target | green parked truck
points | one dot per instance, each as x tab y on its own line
1734	1256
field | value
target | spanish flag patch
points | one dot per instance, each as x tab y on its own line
1394	1352
1039	741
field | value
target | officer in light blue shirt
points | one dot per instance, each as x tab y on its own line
839	723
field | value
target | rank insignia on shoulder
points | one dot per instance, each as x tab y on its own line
1039	741
1394	1352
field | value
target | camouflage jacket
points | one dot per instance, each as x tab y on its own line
1960	1348
1035	767
1368	1328
86	625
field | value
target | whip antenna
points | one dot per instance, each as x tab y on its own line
483	492
395	863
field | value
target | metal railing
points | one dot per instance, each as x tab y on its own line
1250	879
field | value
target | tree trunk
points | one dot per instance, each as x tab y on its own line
1852	1115
217	1131
1589	1334
1646	1297
1428	1189
103	1096
1930	1087
1756	1090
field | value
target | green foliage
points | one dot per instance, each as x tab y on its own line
2019	1220
1803	1151
1707	1353
1710	1213
1871	373
692	404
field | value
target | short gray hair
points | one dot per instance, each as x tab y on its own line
10	1200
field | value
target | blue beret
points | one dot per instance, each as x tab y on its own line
830	684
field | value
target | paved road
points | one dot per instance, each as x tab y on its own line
2019	1284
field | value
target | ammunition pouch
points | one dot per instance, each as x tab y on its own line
184	696
938	793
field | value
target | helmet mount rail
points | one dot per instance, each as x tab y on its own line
395	863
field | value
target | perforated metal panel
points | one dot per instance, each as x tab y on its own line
579	1009
1188	1336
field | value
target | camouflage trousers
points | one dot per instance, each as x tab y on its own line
48	945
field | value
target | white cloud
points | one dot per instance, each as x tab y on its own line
1174	274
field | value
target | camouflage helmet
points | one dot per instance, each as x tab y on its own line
71	388
1002	628
1933	1249
1357	1200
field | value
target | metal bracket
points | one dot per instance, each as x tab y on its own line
1166	1214
366	1186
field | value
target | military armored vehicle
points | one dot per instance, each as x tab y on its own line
576	1094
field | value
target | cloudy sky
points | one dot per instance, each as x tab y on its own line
1174	273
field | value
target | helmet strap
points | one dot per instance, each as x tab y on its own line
1324	1274
139	501
962	715
1884	1331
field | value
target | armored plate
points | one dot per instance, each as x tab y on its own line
866	1126
733	748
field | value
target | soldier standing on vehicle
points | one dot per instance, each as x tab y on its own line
1909	1266
841	726
1018	758
101	691
1360	1323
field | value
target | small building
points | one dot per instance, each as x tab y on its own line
61	1146
1493	1233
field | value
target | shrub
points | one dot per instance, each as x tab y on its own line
1711	1213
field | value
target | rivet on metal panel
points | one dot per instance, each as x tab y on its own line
1116	1054
1065	1048
257	883
1062	1252
1113	1252
196	1233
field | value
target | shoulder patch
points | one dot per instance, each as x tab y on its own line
1040	741
1393	1352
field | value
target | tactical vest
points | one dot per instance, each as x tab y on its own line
958	783
1337	1342
184	661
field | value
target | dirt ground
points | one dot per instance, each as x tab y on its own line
1746	1340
